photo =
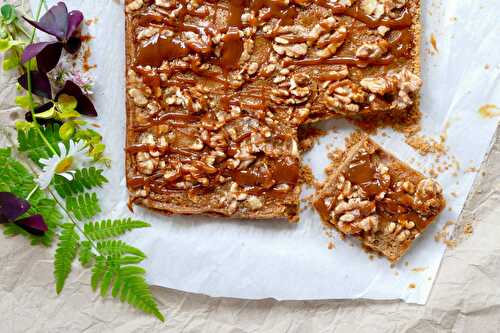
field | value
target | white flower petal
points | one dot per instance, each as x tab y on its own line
68	175
62	149
45	178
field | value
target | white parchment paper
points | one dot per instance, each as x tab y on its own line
246	259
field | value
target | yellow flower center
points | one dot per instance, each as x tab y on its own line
64	165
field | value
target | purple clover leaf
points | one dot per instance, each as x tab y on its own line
40	84
60	24
12	207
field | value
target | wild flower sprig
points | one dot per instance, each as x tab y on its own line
55	136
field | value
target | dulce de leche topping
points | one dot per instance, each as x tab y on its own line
379	199
216	91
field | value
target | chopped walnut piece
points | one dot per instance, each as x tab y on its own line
344	97
370	197
401	85
291	50
134	5
373	50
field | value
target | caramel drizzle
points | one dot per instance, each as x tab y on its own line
283	171
404	21
350	61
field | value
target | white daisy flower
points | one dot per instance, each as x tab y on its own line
63	164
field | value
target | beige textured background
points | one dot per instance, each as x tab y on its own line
465	298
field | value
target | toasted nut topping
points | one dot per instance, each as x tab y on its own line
254	203
134	5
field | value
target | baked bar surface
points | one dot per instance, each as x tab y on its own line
217	89
380	200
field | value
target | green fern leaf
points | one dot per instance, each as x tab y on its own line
32	144
111	228
118	248
136	292
16	178
65	254
128	284
97	272
83	206
85	254
83	180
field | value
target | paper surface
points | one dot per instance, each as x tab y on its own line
245	259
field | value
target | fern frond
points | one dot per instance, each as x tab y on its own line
128	283
32	144
118	248
112	228
136	292
83	206
65	254
83	180
85	254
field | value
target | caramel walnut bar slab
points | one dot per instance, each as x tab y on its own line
217	89
380	200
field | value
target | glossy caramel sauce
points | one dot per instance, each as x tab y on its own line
395	204
160	55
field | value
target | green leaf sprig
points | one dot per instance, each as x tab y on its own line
53	125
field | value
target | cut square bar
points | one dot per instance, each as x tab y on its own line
378	199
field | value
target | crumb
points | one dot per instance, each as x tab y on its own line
418	269
424	145
371	257
331	245
444	236
406	263
86	38
487	66
434	43
336	156
91	21
468	230
450	243
488	111
412	286
86	56
306	176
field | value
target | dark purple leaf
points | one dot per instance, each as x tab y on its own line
11	207
49	57
47	54
33	50
75	18
84	105
73	45
54	22
40	84
35	225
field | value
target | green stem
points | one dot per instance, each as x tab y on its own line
44	139
30	94
71	218
32	192
28	67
